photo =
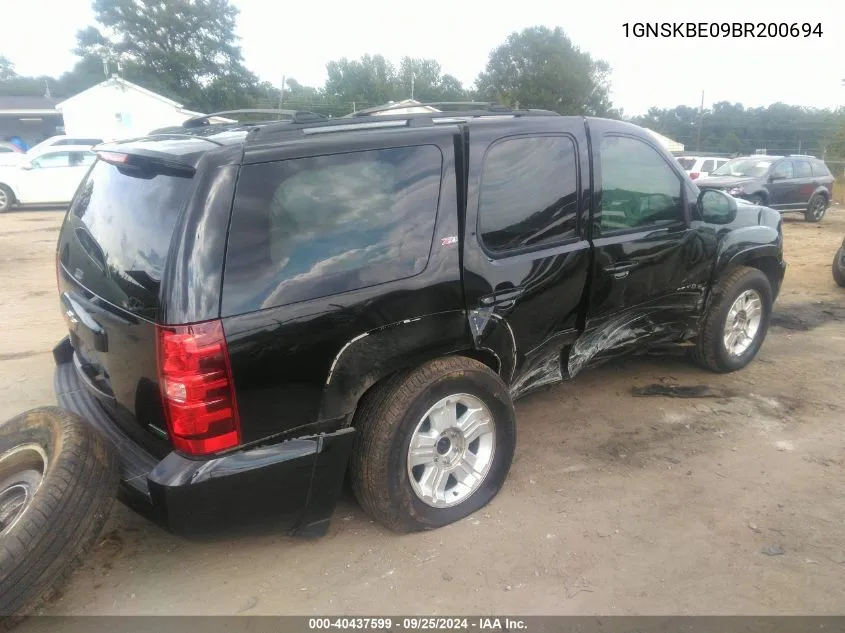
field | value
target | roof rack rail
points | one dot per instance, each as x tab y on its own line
389	120
296	116
477	105
801	156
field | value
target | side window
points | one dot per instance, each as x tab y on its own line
639	188
719	163
708	166
820	169
783	169
313	227
802	169
82	159
54	159
529	193
64	141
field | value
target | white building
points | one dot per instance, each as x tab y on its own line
116	109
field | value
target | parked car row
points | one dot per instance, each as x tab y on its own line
700	166
784	183
50	177
47	173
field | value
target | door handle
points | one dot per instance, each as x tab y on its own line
622	269
502	298
621	266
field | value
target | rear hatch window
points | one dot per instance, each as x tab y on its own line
117	233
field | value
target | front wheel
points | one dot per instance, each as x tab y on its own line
839	267
736	322
816	208
433	445
7	198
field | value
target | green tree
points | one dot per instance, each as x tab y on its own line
541	68
730	127
366	82
7	69
186	49
429	82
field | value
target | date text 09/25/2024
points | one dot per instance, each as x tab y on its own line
722	29
417	624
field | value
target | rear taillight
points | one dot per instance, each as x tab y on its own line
694	175
197	388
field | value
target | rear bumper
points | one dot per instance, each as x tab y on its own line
295	483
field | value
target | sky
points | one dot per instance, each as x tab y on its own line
296	39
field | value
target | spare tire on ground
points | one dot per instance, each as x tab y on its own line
58	479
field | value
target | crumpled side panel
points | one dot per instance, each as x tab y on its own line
659	322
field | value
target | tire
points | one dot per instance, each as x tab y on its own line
758	199
67	505
394	413
711	351
839	267
7	198
816	208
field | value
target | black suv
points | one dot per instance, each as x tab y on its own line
785	183
257	310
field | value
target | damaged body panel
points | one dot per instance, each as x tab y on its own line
636	272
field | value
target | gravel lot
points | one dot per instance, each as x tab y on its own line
616	504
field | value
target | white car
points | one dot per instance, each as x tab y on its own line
62	140
52	177
701	166
9	154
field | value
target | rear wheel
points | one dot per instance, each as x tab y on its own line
433	444
7	198
816	208
839	267
57	483
736	322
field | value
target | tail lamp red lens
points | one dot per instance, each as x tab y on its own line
197	388
694	175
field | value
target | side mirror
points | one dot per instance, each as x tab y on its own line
716	207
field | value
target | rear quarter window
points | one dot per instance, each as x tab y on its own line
820	169
312	227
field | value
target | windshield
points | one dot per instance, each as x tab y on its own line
747	167
686	163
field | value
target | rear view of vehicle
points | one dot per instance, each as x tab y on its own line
151	384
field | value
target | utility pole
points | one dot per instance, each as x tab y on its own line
700	116
282	93
412	86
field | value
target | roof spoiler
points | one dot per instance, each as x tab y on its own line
143	162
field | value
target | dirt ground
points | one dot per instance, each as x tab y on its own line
616	504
